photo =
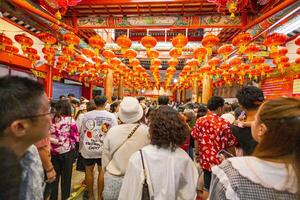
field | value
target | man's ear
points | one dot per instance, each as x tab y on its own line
19	128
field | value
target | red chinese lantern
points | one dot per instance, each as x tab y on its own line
156	62
80	59
193	63
257	61
47	38
148	42
235	62
152	53
124	42
297	60
243	68
241	40
108	54
214	62
171	70
71	39
88	52
225	50
224	66
134	62
200	53
4	41
274	40
97	43
68	52
24	41
173	62
130	54
209	41
11	49
179	42
115	62
297	41
250	50
50	51
175	53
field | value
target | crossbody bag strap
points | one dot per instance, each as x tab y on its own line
129	136
145	174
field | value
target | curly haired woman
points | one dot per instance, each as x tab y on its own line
171	174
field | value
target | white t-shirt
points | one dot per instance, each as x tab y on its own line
95	125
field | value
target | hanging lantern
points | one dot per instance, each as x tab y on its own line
152	53
88	52
257	61
171	70
115	62
214	62
47	38
156	62
250	50
68	52
124	42
179	42
97	43
173	62
175	53
4	41
209	41
108	54
24	41
148	42
241	40
49	52
71	39
11	49
193	63
297	41
224	66
225	50
274	40
130	54
134	63
243	68
297	60
235	62
282	51
200	53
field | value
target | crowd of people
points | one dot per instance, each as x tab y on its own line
145	149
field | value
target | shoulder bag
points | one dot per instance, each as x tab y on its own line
145	191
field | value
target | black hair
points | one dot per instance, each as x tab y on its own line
19	97
61	96
10	175
163	100
113	98
100	100
250	97
189	105
113	106
202	110
90	105
215	102
71	95
62	108
141	98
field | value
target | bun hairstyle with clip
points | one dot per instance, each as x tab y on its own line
282	138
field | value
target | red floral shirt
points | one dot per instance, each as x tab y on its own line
212	134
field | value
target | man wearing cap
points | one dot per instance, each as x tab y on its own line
120	143
95	125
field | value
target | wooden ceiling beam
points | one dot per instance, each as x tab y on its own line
82	14
117	2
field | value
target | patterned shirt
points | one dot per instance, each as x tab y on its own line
212	134
32	185
64	135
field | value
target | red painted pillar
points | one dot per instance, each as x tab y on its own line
87	91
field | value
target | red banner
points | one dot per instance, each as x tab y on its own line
277	87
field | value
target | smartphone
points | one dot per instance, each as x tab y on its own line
242	115
225	153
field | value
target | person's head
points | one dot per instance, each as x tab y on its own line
90	106
100	101
24	112
276	128
62	97
114	107
71	96
141	99
163	100
227	107
75	103
216	105
130	111
167	129
202	110
114	98
62	108
189	114
250	97
10	175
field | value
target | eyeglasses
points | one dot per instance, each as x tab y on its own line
51	112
